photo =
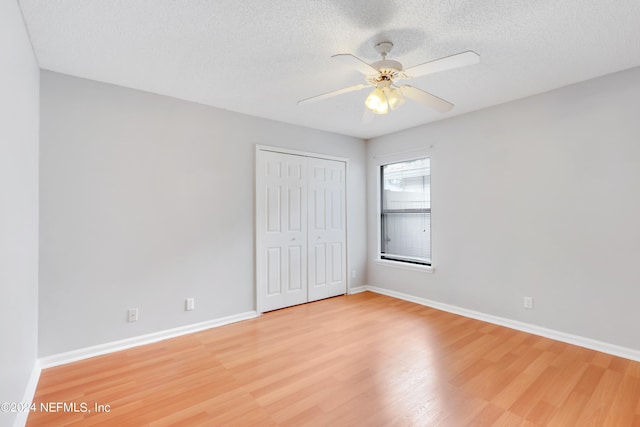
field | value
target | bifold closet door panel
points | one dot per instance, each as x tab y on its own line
282	199
327	257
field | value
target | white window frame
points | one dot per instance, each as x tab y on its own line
379	161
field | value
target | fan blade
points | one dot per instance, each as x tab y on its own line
334	93
426	98
447	63
355	63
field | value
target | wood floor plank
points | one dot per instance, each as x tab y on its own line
358	360
601	399
622	409
569	412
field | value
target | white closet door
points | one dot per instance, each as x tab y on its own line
326	229
281	200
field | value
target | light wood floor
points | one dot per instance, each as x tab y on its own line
359	360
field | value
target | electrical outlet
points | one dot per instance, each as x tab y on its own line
189	304
132	315
528	302
353	274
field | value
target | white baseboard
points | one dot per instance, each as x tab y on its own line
98	350
21	417
604	347
357	290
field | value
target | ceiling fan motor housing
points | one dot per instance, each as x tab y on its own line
387	64
388	71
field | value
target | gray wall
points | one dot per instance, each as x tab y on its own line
538	197
19	80
148	200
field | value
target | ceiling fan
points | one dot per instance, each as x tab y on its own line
384	75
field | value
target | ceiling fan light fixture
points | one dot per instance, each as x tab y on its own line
377	101
394	98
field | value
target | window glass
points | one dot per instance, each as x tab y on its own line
406	211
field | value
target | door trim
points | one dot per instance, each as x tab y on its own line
300	153
258	227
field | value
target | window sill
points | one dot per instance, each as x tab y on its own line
405	266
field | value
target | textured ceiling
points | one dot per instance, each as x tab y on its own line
259	57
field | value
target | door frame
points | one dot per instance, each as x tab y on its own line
259	224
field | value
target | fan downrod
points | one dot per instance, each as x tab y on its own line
383	48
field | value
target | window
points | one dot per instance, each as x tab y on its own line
406	211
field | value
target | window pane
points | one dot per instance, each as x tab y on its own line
406	211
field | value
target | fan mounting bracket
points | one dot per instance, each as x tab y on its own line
383	48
